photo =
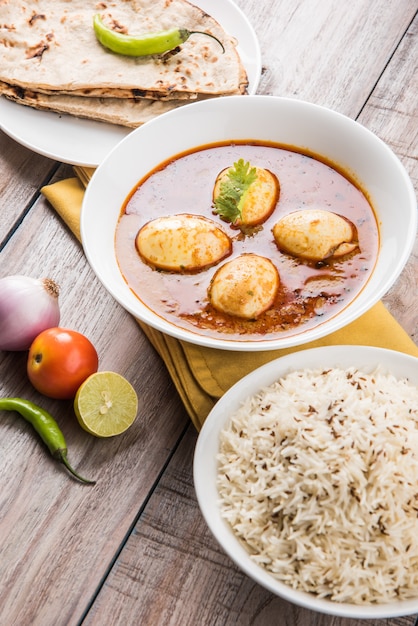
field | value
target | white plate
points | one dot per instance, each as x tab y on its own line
86	142
365	358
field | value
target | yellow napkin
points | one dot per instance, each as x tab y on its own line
202	375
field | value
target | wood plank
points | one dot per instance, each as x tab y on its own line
57	542
21	170
325	51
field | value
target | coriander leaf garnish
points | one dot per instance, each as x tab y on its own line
228	204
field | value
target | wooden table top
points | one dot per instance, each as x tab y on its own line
134	549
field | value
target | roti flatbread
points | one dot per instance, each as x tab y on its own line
123	111
50	46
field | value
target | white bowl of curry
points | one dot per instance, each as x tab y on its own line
249	223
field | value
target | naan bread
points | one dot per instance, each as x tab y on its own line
50	46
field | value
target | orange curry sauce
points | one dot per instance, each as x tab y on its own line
309	293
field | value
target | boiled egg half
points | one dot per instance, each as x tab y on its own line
315	234
244	287
182	243
257	203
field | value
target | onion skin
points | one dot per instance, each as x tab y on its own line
27	307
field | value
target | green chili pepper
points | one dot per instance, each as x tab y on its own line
46	427
146	44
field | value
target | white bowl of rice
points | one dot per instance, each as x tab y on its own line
306	472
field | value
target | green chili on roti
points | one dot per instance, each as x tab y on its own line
51	52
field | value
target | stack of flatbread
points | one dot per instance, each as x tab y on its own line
50	59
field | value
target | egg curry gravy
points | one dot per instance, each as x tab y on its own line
306	250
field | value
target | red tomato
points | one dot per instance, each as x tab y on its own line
59	361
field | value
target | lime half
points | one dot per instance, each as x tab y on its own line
106	404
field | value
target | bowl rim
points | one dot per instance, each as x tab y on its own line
228	106
204	465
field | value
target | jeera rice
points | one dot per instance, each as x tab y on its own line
318	477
